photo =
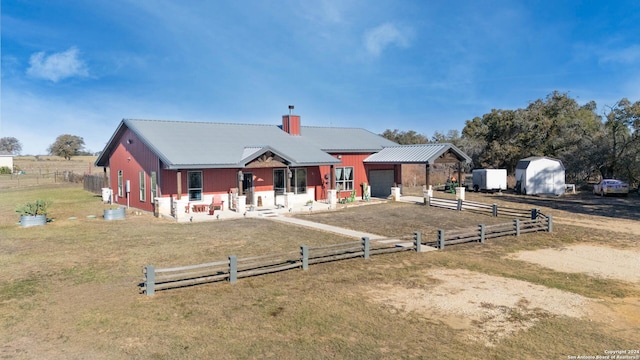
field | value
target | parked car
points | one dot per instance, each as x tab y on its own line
611	187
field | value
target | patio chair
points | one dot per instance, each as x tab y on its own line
216	204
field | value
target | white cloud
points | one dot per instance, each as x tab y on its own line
57	66
378	38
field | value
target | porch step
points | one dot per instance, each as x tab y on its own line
268	214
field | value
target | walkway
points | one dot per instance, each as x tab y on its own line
325	227
412	199
282	215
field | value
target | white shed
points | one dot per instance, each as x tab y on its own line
6	159
540	175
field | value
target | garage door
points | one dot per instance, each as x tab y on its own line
381	182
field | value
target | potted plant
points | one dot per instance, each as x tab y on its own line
114	212
33	213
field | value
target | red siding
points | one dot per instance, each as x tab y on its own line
315	181
132	156
262	178
360	171
214	181
359	174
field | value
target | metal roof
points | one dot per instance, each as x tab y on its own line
415	154
524	163
346	140
183	145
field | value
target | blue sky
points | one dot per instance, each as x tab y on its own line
79	67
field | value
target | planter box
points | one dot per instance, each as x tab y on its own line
114	214
33	220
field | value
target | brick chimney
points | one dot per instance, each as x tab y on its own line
291	123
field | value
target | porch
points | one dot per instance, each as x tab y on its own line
265	211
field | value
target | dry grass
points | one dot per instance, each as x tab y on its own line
399	219
69	289
46	170
48	163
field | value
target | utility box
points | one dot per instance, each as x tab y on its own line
489	179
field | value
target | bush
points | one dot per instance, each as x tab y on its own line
5	170
38	207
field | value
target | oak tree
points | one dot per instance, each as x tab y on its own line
66	146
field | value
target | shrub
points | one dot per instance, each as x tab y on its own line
5	170
38	207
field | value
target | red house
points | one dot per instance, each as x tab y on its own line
162	166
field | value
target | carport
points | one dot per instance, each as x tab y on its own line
428	154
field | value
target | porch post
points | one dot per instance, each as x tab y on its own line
428	175
179	181
287	180
105	179
240	179
460	179
332	171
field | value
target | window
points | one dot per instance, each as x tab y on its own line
194	183
143	183
344	178
154	185
297	181
120	190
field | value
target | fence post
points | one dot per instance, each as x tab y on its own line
417	237
517	225
482	232
534	213
459	204
440	239
428	200
494	209
549	223
233	269
365	246
305	257
150	280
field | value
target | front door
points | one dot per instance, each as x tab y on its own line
247	187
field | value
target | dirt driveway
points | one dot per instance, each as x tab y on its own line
619	214
489	308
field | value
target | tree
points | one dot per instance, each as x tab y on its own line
556	126
405	137
563	129
622	141
452	136
10	145
497	132
66	146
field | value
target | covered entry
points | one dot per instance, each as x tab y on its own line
427	154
